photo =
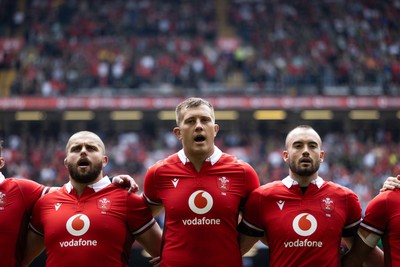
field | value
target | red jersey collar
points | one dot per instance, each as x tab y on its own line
105	181
212	159
288	182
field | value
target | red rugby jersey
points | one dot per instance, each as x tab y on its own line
382	217
96	229
303	229
17	197
201	208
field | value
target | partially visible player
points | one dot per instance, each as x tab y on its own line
89	221
17	198
381	221
202	191
302	218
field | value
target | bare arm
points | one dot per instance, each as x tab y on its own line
155	209
151	240
361	254
246	242
34	247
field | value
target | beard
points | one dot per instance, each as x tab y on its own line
304	171
86	176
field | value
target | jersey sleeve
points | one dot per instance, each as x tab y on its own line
150	186
35	222
251	222
31	191
252	180
376	213
139	215
354	213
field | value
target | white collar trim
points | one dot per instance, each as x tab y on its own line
288	182
105	181
213	158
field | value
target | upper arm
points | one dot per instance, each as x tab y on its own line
246	242
360	252
151	240
155	209
34	247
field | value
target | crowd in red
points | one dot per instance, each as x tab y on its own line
282	46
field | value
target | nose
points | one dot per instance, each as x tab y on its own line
305	151
199	125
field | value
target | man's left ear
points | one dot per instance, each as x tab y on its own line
216	129
321	156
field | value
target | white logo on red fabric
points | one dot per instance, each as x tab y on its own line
104	204
57	206
223	183
78	224
200	202
175	182
304	224
280	204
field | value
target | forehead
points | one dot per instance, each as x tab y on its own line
199	111
83	140
303	136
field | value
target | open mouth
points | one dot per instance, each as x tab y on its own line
199	139
83	163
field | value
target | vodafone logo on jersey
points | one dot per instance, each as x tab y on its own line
78	224
304	224
200	202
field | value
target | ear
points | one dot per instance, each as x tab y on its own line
105	161
285	155
321	156
177	133
65	162
216	129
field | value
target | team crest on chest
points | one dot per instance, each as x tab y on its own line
104	204
3	200
327	204
223	183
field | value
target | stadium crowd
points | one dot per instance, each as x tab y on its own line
358	160
284	47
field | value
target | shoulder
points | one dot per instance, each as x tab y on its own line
268	188
392	196
228	159
339	189
172	159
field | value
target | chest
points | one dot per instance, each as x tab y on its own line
325	214
190	192
97	218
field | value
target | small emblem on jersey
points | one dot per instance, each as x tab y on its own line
175	182
327	204
57	206
78	224
3	200
200	202
223	183
104	204
304	224
280	204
